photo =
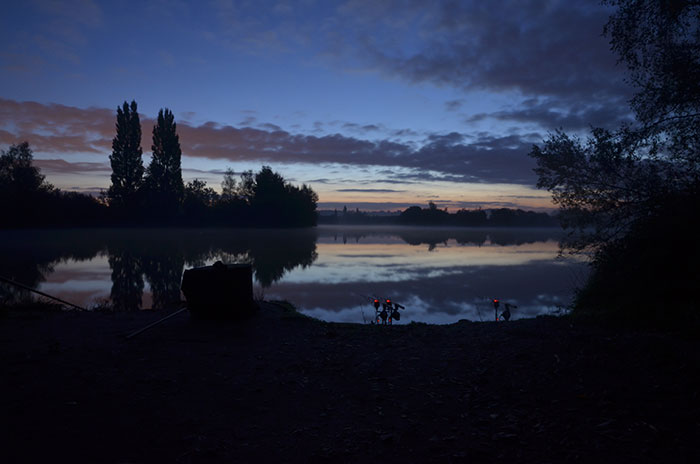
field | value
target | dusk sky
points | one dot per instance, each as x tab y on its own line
375	104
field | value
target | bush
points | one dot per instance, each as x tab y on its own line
650	277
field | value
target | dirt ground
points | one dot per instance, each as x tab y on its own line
280	387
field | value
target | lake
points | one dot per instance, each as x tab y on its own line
440	275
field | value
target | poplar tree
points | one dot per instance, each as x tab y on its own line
164	174
126	161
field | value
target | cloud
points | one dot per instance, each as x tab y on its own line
60	34
550	49
400	206
363	128
59	166
404	133
454	105
547	49
55	128
371	190
82	12
453	157
270	127
540	47
572	115
218	172
248	121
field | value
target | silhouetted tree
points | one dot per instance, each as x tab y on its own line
74	209
607	183
163	182
29	201
474	218
24	192
266	199
244	189
602	186
503	217
616	189
163	269
126	161
229	187
199	200
659	41
415	215
18	174
127	280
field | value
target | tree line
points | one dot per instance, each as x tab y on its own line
500	217
433	216
155	195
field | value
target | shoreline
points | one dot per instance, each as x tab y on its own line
281	386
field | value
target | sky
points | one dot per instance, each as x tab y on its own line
377	105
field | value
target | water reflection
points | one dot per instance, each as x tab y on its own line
440	275
157	257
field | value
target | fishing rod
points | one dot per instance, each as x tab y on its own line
478	311
505	315
153	324
389	312
362	310
25	287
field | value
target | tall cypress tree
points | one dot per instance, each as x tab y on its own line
126	161
164	174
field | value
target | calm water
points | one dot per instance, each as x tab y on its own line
331	272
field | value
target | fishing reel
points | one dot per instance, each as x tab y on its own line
389	311
505	315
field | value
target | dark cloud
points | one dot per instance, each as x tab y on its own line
552	49
248	121
450	157
370	190
539	47
218	172
187	115
364	129
63	34
454	105
393	181
361	128
575	115
59	166
270	127
404	133
56	128
549	48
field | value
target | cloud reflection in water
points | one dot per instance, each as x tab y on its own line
438	280
440	275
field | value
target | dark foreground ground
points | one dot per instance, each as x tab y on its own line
283	388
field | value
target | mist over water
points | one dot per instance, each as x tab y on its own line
441	275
